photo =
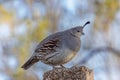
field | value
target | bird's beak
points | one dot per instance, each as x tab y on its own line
83	33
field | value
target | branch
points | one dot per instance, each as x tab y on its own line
98	50
73	73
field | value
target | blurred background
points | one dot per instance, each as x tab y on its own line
24	23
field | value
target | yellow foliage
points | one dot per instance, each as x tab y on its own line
5	16
37	34
40	31
105	14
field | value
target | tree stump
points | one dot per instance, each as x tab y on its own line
73	73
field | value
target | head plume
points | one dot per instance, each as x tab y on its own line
88	22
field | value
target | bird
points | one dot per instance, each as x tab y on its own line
58	48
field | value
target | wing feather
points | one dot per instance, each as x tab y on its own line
48	46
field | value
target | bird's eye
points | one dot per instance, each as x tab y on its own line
78	31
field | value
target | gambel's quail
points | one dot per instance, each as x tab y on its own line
58	48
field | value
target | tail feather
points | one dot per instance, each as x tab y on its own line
29	63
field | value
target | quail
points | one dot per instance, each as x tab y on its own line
58	48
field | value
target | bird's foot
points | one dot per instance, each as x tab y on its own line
62	66
54	67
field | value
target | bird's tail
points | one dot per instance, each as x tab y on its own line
29	63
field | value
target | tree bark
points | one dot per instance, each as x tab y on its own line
73	73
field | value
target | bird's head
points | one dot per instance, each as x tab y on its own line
78	30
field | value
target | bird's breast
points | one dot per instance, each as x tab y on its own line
73	44
68	55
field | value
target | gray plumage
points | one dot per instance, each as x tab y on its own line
58	48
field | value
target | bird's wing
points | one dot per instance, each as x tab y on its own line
48	46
